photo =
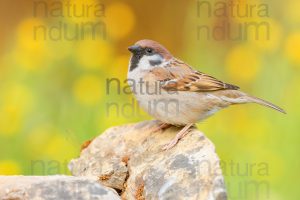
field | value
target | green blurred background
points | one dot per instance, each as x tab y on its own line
53	93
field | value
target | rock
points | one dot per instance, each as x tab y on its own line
53	187
129	159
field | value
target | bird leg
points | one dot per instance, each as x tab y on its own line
160	127
178	136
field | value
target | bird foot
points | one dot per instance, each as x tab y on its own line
160	127
183	132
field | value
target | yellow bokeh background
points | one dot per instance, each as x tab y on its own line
54	92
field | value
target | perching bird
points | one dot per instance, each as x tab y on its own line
175	93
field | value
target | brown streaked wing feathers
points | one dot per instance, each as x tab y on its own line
179	76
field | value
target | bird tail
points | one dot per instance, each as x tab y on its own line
264	103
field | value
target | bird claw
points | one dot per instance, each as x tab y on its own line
170	145
179	136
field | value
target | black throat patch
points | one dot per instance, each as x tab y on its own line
135	59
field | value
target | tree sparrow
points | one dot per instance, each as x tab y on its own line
176	94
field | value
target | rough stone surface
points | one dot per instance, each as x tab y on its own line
129	159
53	188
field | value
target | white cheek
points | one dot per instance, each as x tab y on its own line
155	57
144	63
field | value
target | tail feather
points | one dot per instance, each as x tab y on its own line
264	103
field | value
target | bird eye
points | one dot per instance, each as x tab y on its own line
148	50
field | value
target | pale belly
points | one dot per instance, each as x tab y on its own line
179	108
175	107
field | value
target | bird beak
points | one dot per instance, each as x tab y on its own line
134	48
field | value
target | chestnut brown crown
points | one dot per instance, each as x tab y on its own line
150	44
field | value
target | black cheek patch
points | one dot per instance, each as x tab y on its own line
155	62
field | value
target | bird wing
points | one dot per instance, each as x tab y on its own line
178	76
